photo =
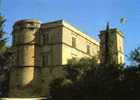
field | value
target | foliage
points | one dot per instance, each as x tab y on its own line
62	89
77	68
2	33
100	82
5	58
135	56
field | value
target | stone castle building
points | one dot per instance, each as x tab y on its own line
41	49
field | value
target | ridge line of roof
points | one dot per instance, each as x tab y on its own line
62	21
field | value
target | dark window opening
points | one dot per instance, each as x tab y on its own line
88	49
43	39
43	60
73	42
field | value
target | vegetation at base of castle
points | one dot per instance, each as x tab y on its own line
98	81
5	56
135	57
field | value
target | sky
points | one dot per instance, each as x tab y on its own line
90	16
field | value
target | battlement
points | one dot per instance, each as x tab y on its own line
113	30
27	23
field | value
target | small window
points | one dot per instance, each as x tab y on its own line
73	42
47	59
18	86
121	60
47	38
88	49
31	28
18	57
43	39
43	60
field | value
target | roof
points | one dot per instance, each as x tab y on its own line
69	26
113	30
20	22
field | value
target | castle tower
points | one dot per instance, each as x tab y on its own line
111	46
24	43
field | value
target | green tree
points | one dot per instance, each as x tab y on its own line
69	88
88	80
134	57
5	57
77	68
2	33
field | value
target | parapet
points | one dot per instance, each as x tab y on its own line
27	23
116	30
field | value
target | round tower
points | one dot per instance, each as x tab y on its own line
24	43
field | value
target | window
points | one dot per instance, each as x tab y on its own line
31	28
17	57
121	60
88	49
73	42
47	38
47	59
43	39
43	60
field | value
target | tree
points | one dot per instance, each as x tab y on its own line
105	82
69	88
135	57
77	68
5	57
2	33
88	80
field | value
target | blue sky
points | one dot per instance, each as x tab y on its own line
89	16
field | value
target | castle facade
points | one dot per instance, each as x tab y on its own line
41	49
